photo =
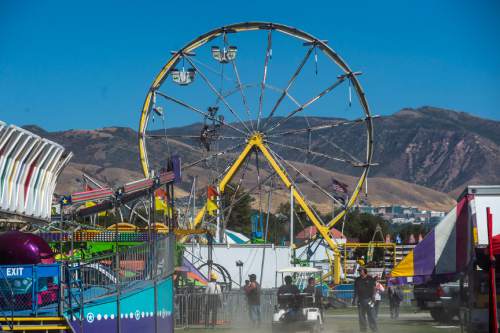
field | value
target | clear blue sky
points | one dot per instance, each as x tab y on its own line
88	64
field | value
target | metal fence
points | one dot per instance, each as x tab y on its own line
115	273
194	309
6	300
30	289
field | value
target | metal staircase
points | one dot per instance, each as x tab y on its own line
34	324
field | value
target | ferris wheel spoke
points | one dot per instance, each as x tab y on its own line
207	115
242	196
220	153
308	103
306	151
308	179
217	93
287	94
296	187
240	86
264	76
213	70
178	136
319	127
333	144
240	181
289	85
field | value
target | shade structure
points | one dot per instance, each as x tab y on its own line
29	169
446	250
234	237
192	273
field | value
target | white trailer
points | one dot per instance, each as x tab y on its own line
474	284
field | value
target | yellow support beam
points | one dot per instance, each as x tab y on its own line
257	141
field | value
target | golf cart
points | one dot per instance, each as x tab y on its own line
296	311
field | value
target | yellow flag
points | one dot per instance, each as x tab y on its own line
161	205
212	207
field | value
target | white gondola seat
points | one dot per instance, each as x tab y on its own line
225	55
183	77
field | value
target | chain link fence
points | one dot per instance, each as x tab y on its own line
30	289
194	309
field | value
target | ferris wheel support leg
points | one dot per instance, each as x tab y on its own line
324	230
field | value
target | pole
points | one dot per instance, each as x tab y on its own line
218	233
291	226
265	235
193	214
61	286
118	291
239	269
493	289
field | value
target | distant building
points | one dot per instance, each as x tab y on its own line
403	214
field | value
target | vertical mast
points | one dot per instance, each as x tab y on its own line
291	226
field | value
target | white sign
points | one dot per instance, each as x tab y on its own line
15	271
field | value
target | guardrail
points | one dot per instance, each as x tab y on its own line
115	273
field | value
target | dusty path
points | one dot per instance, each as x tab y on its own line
346	321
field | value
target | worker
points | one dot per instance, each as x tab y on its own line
213	301
316	292
360	262
395	298
287	293
364	291
252	292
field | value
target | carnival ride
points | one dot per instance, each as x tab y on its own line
202	84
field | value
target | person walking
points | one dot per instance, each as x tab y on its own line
364	291
395	298
252	292
213	301
379	289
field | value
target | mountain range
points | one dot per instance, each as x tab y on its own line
425	156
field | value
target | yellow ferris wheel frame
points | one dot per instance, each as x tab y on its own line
256	140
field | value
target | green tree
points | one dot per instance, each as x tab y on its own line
241	211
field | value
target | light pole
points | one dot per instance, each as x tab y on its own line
239	264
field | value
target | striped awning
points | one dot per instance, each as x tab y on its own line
446	249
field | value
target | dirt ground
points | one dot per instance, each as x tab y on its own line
345	321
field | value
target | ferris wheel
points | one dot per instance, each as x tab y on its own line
261	107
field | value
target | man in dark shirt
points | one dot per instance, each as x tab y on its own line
364	290
252	291
287	293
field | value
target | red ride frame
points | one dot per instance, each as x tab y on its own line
493	289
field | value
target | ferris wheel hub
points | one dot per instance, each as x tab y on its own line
256	138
